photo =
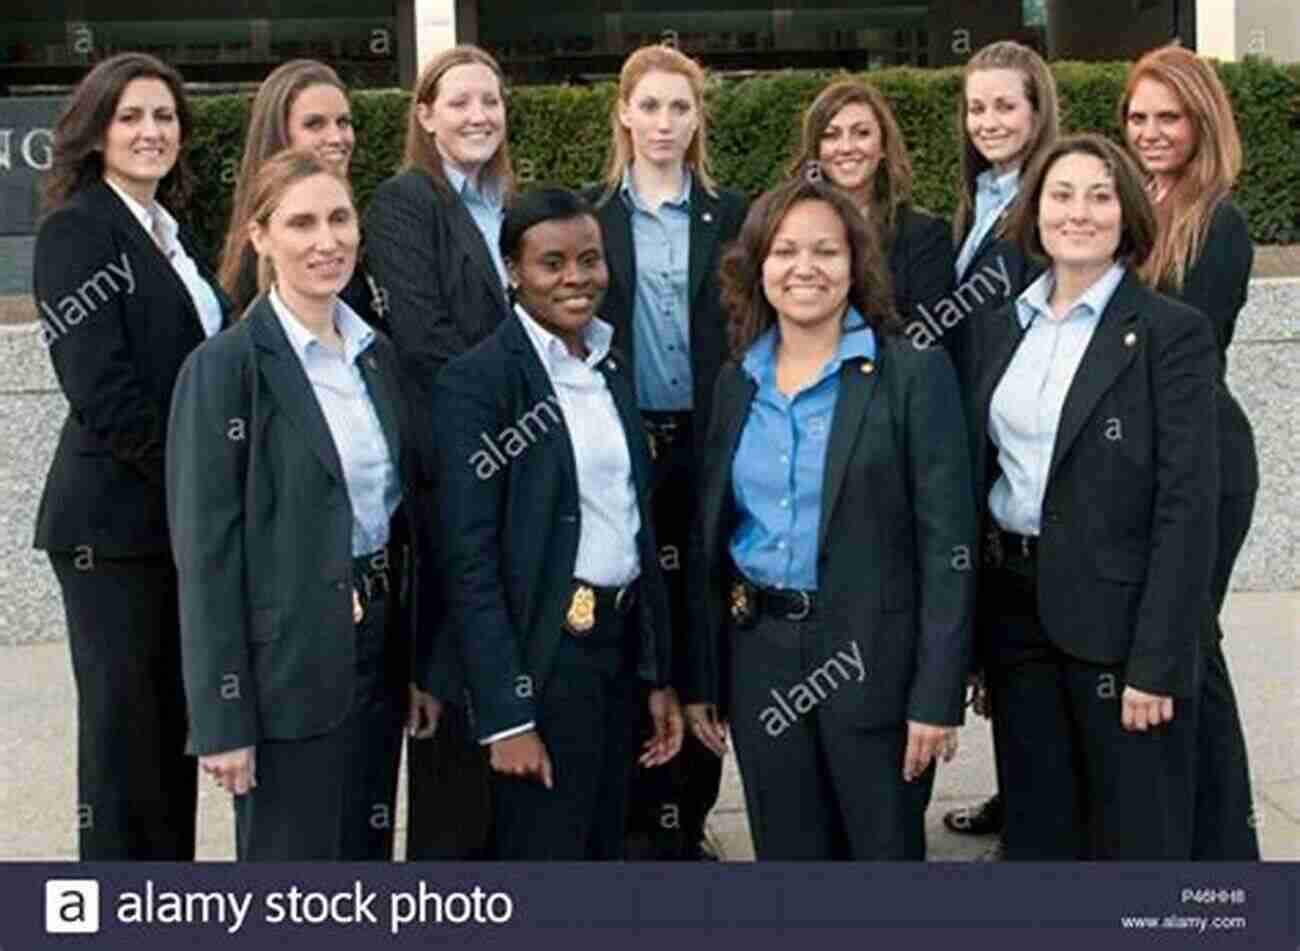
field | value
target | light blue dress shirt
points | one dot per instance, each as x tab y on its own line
661	329
200	291
368	469
1026	407
777	473
485	207
992	196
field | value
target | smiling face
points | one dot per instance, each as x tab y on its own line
661	116
1159	130
321	120
999	116
851	147
311	238
560	275
467	117
142	140
1079	217
808	269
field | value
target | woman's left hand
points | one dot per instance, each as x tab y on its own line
1140	711
425	709
666	713
926	743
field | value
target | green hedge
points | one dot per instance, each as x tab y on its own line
559	134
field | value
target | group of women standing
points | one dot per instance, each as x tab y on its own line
579	488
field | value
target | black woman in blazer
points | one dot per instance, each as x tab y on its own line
552	659
1191	182
296	644
696	222
443	293
119	318
1087	625
884	638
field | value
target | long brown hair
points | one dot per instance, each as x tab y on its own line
274	178
79	133
268	135
1040	90
891	186
740	274
667	60
1137	219
1208	177
421	151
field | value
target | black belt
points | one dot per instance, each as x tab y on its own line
788	604
589	603
372	577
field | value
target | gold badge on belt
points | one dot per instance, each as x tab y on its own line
742	608
581	616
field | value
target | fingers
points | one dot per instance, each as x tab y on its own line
676	730
711	733
949	745
234	771
544	770
923	745
1141	711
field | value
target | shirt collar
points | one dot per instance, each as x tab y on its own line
597	335
462	186
1035	298
145	214
628	189
858	341
356	334
998	186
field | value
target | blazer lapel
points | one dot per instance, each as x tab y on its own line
471	239
857	383
384	398
704	232
614	371
735	395
289	385
989	237
620	253
1109	353
540	390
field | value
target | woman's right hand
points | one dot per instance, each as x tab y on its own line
524	756
707	726
235	770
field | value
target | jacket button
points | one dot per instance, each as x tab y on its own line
1053	516
340	586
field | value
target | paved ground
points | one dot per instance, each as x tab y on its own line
37	750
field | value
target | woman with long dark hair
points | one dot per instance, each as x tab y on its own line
125	296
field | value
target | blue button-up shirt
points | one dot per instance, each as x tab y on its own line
661	332
368	469
1026	407
485	207
777	474
992	196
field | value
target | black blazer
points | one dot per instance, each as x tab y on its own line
1217	284
510	525
118	321
715	221
261	526
921	262
429	261
1129	517
897	535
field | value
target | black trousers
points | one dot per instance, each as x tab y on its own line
1077	785
136	788
818	785
334	797
586	719
1225	820
669	804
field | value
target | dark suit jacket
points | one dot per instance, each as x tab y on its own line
510	525
443	292
1217	284
897	536
118	321
1129	517
715	221
261	525
921	262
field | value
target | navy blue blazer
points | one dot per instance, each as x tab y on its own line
510	525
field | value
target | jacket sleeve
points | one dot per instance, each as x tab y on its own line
208	435
1164	655
472	509
78	276
943	513
930	263
404	258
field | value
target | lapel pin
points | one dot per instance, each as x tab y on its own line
707	216
611	364
1130	339
867	367
370	363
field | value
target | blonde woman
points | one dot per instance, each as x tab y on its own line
1178	124
665	221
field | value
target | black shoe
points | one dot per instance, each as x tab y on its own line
984	819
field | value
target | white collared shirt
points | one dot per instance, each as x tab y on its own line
993	195
205	299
